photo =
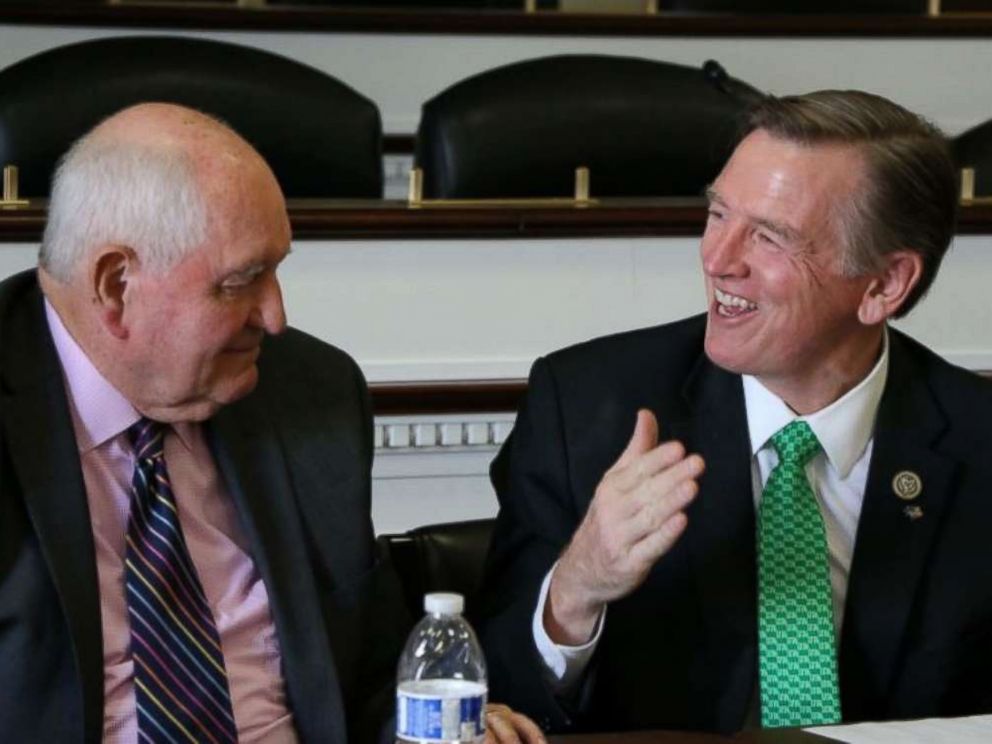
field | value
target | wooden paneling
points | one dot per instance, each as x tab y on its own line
354	220
363	20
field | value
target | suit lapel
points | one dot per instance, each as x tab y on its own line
254	468
891	548
38	431
720	538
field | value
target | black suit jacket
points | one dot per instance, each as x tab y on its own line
681	651
295	456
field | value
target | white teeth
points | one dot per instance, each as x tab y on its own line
733	300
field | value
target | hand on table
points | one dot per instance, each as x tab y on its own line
505	726
635	516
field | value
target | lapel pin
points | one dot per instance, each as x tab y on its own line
907	485
913	512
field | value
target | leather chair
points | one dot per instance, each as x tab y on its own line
440	557
321	138
973	149
643	128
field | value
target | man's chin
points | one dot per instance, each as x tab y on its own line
724	358
237	388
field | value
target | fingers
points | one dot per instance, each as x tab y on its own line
659	541
665	484
639	468
505	726
644	438
660	500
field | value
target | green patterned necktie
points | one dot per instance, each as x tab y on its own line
798	664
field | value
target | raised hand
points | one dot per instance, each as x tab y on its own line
635	516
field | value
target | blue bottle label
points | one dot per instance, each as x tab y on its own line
440	710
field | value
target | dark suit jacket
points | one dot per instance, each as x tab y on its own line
680	652
295	455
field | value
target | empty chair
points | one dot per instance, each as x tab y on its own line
447	557
322	138
973	149
643	128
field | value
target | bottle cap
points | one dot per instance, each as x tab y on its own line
444	603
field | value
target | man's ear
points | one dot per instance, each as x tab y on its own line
111	273
890	286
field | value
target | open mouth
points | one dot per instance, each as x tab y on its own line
732	306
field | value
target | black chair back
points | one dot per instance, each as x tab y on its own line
643	128
321	138
446	557
973	149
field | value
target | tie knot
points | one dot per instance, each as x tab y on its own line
147	437
795	443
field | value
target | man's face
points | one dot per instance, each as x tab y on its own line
194	331
780	307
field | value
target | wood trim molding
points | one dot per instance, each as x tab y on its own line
440	397
399	144
458	396
493	22
358	220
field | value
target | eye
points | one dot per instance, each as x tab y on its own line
234	285
237	282
767	239
714	213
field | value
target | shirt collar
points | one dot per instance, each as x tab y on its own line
100	411
844	427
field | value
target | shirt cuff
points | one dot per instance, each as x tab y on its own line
563	665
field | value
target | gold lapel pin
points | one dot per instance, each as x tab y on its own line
907	485
913	512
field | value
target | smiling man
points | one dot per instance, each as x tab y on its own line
767	515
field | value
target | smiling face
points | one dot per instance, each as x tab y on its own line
780	305
194	331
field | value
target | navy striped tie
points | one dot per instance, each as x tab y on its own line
180	681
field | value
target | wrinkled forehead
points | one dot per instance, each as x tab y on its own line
241	195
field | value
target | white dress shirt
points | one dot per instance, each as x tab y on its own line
838	475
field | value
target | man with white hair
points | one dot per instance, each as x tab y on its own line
186	548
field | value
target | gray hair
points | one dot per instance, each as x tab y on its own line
908	198
123	193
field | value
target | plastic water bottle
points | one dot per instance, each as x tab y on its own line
441	680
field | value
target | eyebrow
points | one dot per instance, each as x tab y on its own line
779	228
250	271
247	272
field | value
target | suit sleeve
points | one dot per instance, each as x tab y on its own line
537	516
372	719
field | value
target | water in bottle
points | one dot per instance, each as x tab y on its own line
441	680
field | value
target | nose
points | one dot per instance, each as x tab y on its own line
270	314
723	250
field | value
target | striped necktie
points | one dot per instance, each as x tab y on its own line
798	659
180	681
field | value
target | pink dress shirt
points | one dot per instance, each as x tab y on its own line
217	546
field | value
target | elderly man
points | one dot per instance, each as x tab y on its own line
794	533
186	549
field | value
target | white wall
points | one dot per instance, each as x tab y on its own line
945	79
411	310
435	310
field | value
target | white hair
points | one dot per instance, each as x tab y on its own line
107	192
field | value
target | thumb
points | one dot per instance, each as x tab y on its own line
644	438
